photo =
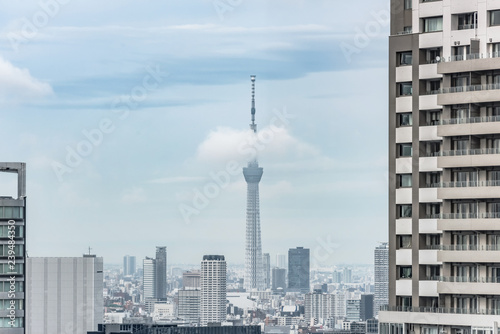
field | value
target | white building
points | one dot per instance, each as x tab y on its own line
381	257
213	289
64	294
188	305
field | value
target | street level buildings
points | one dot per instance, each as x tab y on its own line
444	167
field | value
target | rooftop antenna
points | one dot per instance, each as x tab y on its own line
253	126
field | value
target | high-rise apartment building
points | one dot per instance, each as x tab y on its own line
213	289
13	256
298	270
444	167
254	274
266	264
381	259
128	265
64	294
161	273
188	304
149	278
318	306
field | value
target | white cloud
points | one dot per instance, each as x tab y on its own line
18	83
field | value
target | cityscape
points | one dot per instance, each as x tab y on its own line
181	168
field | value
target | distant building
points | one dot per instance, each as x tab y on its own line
64	293
161	273
339	305
372	326
319	306
148	278
281	261
213	289
140	328
298	270
381	256
191	279
353	310
278	279
347	275
128	265
266	264
188	305
366	307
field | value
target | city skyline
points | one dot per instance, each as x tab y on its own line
78	89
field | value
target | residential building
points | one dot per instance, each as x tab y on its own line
319	306
381	256
298	270
149	278
13	243
188	305
444	167
213	289
64	294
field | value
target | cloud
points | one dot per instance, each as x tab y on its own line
178	179
17	83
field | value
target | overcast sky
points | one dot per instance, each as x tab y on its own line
132	117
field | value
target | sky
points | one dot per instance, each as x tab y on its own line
133	119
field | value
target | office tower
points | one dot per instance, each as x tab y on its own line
347	275
281	261
266	264
298	269
149	278
381	276
64	294
188	304
13	239
366	307
279	279
319	306
444	167
339	305
213	289
191	279
353	310
128	265
254	275
161	273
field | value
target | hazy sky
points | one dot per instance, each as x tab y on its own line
132	117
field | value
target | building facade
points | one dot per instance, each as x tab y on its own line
444	167
188	305
213	289
161	273
64	294
381	284
191	279
266	264
319	307
298	270
13	248
278	279
149	278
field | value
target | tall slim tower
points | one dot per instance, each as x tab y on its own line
213	289
161	273
254	276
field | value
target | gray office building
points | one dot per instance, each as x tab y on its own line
13	242
266	261
64	294
444	167
161	273
278	279
298	270
129	267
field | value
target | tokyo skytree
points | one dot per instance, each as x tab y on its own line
254	274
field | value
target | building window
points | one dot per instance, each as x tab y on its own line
408	4
405	180
405	150
404	211
405	58
405	241
405	119
405	89
405	272
433	24
407	29
467	21
433	55
494	17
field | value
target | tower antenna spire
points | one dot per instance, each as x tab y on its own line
253	126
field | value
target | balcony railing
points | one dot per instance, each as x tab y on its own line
471	215
468	120
466	26
469	247
465	184
475	151
468	279
471	88
471	56
439	310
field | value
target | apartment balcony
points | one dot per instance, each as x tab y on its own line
415	309
473	189
460	223
469	285
469	256
469	126
468	94
469	158
469	63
